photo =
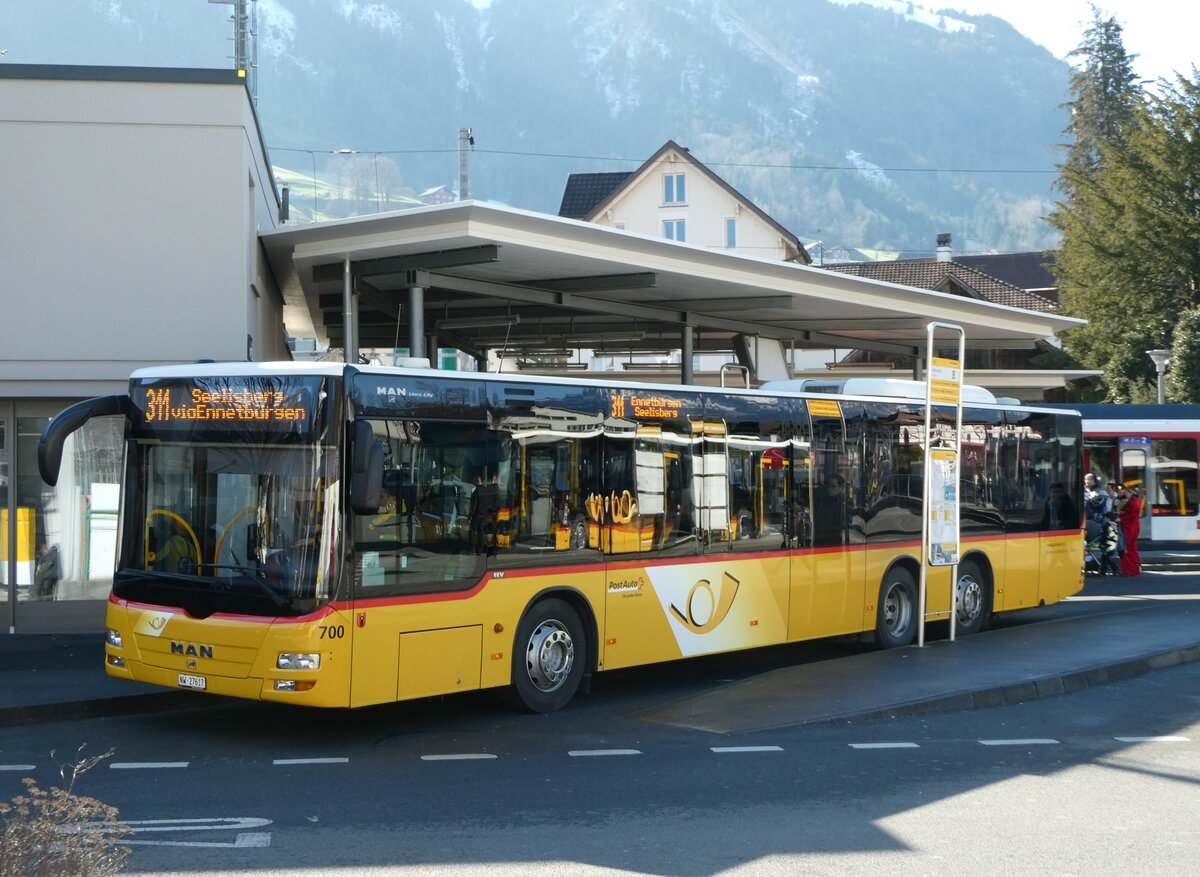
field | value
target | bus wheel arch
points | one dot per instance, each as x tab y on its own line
553	650
973	595
897	609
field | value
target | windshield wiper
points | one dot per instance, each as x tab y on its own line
252	574
141	575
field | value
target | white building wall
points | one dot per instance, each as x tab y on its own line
128	232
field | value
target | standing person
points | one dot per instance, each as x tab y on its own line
475	515
1095	506
1129	512
485	503
1110	546
1059	513
829	518
47	573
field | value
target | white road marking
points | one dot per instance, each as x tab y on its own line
18	766
884	746
244	840
587	753
461	756
216	823
146	765
284	761
1027	741
1163	739
723	749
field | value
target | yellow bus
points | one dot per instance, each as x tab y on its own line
337	535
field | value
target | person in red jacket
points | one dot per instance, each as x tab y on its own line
1129	508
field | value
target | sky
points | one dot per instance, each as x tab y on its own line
1162	33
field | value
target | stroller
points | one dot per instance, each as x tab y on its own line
1102	551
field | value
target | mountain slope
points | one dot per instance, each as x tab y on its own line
856	125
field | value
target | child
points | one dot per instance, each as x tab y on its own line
1110	541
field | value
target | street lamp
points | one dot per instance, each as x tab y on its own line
1161	358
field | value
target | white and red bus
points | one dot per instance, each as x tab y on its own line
1153	448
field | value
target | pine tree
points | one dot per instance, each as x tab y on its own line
1106	96
1182	383
1094	264
1130	262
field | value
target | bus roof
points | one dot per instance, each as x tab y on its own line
890	387
866	388
238	369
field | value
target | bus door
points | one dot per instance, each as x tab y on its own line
419	553
1042	483
1136	475
827	597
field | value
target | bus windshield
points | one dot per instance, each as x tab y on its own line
228	527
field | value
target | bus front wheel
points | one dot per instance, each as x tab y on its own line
896	615
549	657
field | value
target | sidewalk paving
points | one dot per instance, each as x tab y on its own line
58	677
996	667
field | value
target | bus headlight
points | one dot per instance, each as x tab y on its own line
113	638
298	661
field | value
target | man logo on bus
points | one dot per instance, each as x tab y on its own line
191	649
704	611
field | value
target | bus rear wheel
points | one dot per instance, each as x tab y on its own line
549	657
970	600
896	615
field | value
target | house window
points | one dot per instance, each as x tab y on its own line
730	232
675	229
620	224
674	191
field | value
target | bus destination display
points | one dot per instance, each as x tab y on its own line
231	403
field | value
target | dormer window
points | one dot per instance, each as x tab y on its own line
674	191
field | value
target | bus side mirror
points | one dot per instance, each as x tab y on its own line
54	436
366	471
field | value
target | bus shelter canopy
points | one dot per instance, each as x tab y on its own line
532	285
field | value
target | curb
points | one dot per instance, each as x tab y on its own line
1029	690
127	705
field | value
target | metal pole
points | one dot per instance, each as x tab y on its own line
686	375
416	321
926	560
922	579
465	139
350	329
962	361
312	214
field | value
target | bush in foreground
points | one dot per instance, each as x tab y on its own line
57	833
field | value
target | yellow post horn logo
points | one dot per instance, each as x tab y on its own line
719	606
